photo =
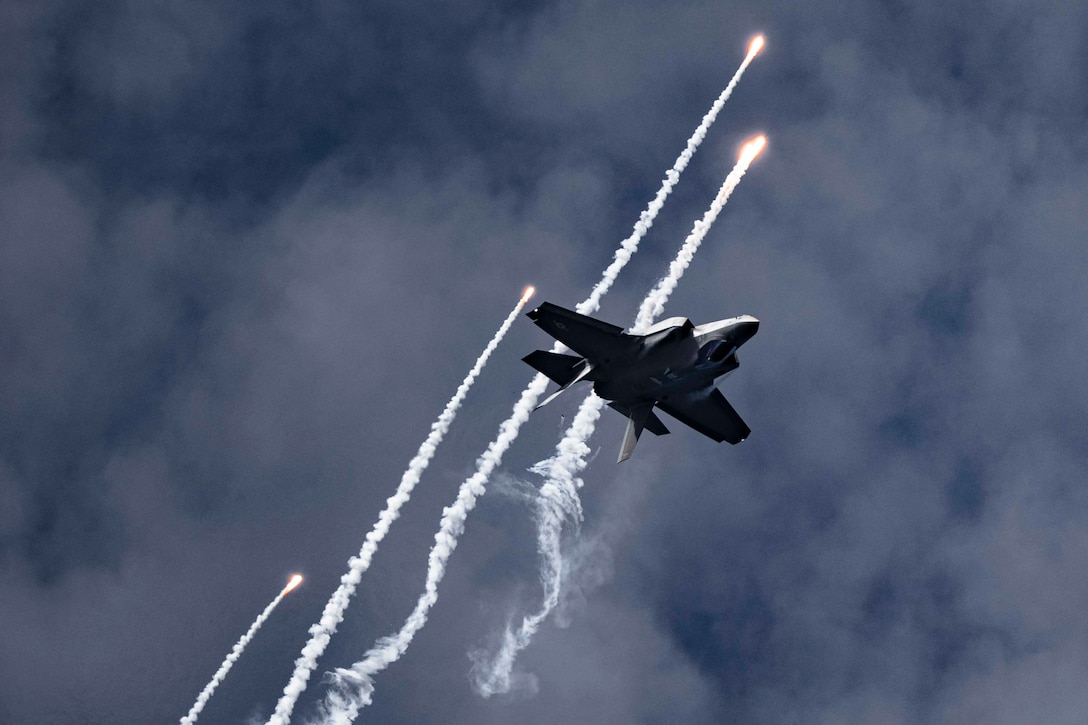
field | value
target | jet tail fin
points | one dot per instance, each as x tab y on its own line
636	421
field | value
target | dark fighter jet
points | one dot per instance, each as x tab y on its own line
673	367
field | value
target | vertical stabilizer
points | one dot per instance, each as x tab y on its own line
636	421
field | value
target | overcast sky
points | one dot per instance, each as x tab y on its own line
248	251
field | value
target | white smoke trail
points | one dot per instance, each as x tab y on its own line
646	220
235	653
559	501
322	631
654	303
352	688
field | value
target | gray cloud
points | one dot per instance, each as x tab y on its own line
247	255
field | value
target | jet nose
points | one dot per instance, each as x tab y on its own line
747	327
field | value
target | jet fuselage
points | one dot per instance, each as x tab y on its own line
672	365
675	358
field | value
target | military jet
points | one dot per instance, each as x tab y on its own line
672	366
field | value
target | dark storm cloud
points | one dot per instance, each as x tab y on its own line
242	102
219	102
248	253
904	197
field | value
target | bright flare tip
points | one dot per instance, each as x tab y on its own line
528	293
294	582
752	148
755	46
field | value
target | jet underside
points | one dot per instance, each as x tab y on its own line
672	367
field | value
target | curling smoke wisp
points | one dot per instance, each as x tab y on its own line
236	652
352	688
322	631
558	501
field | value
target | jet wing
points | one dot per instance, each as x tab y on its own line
709	413
588	337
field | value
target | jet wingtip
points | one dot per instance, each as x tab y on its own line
543	307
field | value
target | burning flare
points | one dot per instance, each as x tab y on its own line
755	46
236	652
528	293
752	148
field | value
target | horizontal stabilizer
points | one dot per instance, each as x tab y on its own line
558	368
653	423
708	412
655	426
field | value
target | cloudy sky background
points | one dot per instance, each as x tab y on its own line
247	254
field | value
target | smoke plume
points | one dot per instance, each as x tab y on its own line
352	687
559	502
322	631
235	653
